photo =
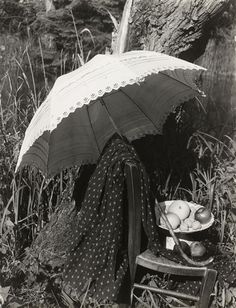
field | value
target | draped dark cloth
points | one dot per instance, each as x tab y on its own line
99	257
98	261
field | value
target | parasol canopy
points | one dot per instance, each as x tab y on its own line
130	93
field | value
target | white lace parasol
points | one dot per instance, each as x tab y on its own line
132	93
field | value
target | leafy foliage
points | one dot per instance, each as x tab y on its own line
16	17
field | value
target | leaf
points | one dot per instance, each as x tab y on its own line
89	32
233	292
152	283
9	223
3	250
14	305
230	296
115	22
4	292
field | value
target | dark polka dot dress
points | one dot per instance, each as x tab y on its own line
99	258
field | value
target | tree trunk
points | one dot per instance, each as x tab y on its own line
182	28
218	81
173	27
201	31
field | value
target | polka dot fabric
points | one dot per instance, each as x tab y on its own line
99	241
99	258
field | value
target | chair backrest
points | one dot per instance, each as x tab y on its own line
134	212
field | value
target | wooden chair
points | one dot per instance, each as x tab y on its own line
159	264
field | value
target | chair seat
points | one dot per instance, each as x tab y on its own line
159	263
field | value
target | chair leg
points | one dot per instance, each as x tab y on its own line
131	296
207	288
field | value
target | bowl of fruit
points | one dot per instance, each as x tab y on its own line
183	216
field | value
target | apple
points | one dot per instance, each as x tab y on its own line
197	249
203	215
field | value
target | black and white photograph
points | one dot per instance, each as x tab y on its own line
117	153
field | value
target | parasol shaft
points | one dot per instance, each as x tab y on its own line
139	108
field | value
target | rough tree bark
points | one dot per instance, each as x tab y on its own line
173	27
185	28
201	31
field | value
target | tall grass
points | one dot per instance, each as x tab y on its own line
28	199
20	98
213	180
24	85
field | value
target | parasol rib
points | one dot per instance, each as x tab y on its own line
92	129
179	81
140	109
110	117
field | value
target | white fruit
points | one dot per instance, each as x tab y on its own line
180	208
189	222
196	225
183	227
173	219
